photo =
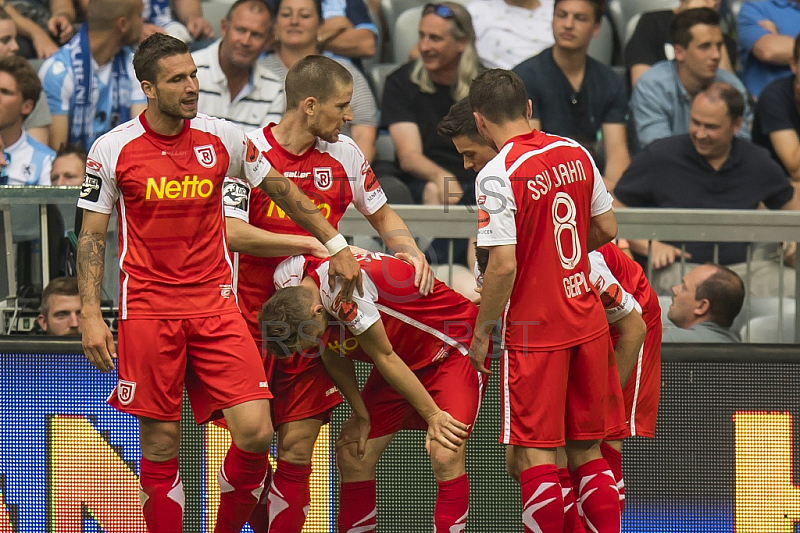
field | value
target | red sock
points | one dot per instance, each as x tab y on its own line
241	481
289	497
161	493
542	503
358	509
598	497
259	518
452	504
614	460
572	520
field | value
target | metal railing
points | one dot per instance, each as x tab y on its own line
455	222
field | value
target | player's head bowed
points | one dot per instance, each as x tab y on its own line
290	322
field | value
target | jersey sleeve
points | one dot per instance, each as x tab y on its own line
357	315
617	302
236	198
601	199
368	196
497	207
289	272
57	84
246	160
100	191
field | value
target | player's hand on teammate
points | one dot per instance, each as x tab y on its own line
664	255
423	273
354	430
98	343
445	430
344	265
478	352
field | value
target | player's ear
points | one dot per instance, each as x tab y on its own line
309	105
529	112
149	90
317	310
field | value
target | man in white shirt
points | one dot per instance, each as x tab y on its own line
234	86
510	31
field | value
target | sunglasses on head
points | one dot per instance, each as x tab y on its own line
441	10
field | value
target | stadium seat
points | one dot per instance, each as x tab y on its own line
214	11
384	148
377	77
761	307
764	329
602	47
622	11
404	36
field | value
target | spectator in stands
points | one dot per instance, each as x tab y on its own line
69	166
39	34
187	24
574	95
37	124
60	311
704	305
651	41
662	99
417	96
346	30
89	82
766	31
507	32
297	25
710	168
29	161
234	85
777	123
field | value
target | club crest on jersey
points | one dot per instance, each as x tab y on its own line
323	178
90	189
126	391
206	155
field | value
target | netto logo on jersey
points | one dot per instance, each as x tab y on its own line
370	181
483	218
189	187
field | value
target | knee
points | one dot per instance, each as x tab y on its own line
349	464
256	437
160	442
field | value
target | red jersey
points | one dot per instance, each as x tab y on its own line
616	277
168	193
540	193
423	330
332	175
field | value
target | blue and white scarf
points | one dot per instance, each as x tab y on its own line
81	129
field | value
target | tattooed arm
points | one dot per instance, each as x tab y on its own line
98	343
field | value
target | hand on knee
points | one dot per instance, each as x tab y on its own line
351	467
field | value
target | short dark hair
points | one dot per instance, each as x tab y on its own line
681	30
262	3
459	121
154	48
282	317
27	80
734	101
64	286
317	5
598	6
499	95
314	76
724	290
72	149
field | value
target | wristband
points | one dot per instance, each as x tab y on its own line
336	244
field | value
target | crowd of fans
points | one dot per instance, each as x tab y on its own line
694	119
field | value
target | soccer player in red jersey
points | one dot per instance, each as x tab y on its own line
179	319
424	380
623	286
306	146
542	208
